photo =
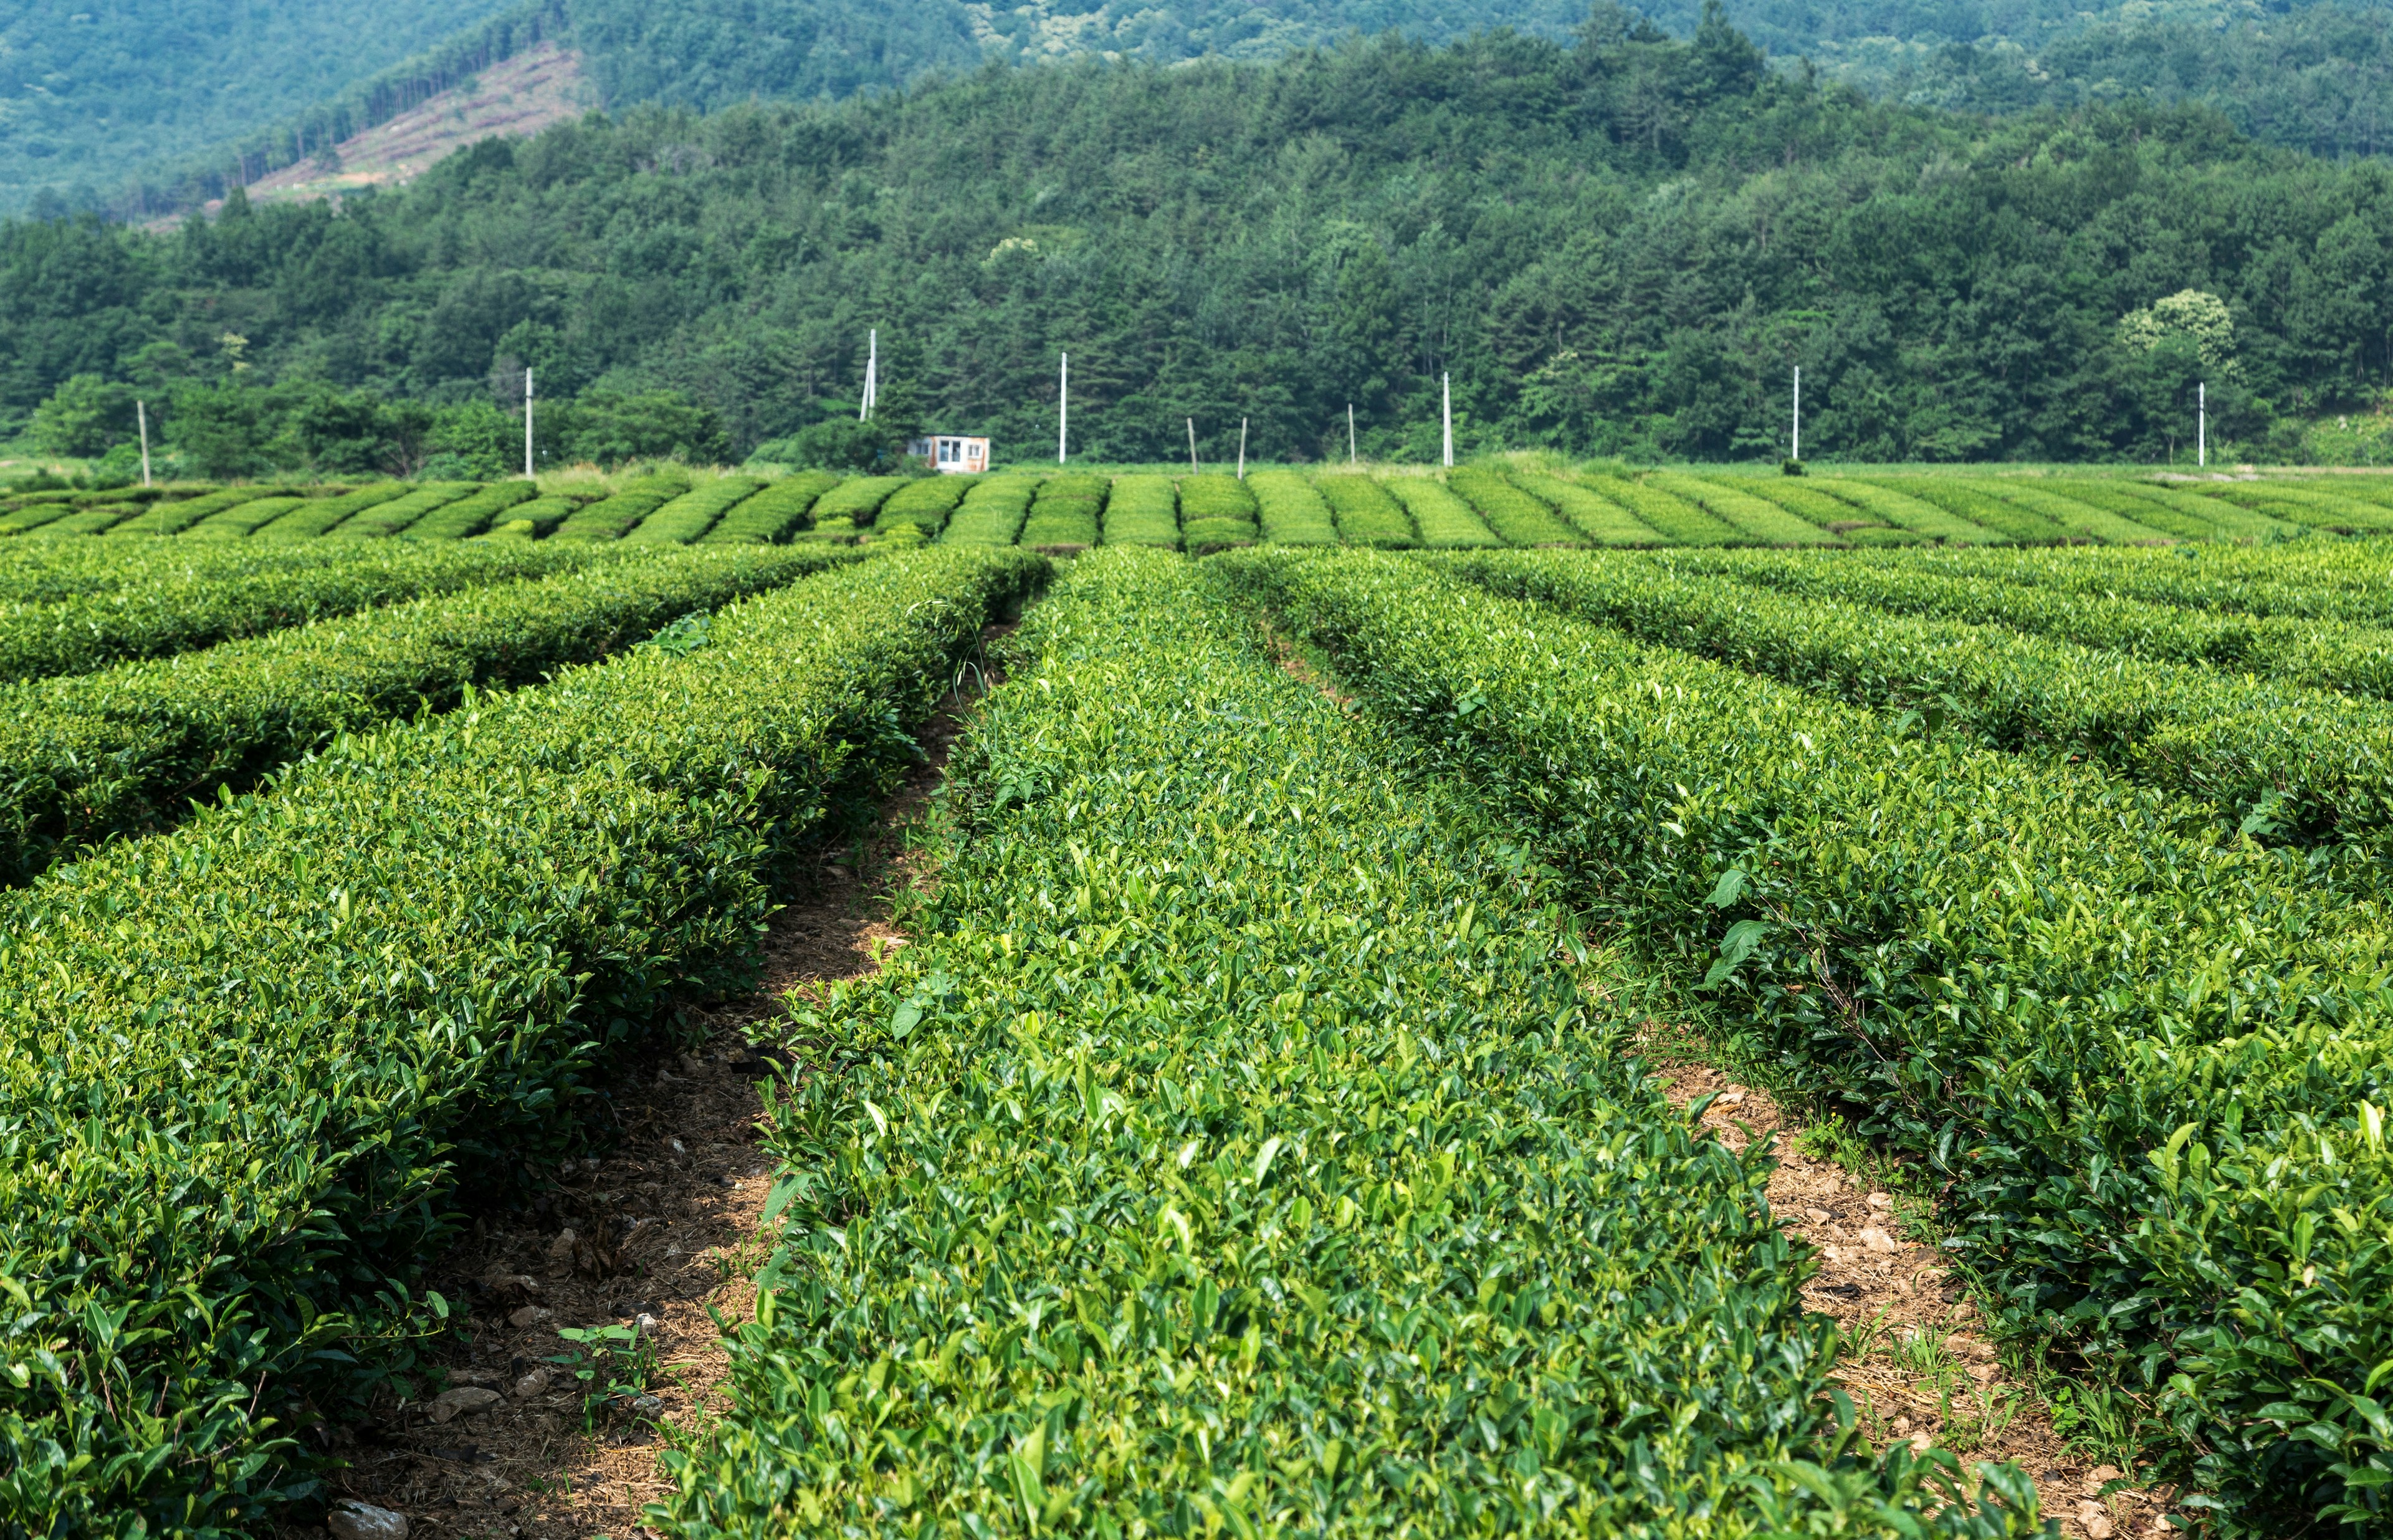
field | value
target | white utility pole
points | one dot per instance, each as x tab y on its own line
1349	433
1063	402
141	416
2202	424
1798	451
528	467
1192	446
1242	448
1446	383
871	375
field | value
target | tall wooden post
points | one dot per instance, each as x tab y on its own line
1192	446
1242	448
1446	383
1350	433
528	465
141	416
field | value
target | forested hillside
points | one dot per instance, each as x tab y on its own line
89	92
1621	245
157	105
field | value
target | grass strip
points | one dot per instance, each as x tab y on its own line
251	1066
1232	1154
2145	1062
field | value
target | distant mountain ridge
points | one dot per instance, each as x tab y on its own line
166	104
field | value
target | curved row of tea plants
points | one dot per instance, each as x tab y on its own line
123	750
249	1064
2324	654
177	608
2148	1065
2278	761
1232	1154
2351	581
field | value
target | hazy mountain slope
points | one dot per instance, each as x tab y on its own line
91	89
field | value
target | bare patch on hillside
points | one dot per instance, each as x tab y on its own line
513	99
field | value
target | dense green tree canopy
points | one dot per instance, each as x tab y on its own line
1622	245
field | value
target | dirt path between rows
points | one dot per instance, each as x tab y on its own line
655	1239
1917	1365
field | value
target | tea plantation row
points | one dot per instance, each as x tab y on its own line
1491	504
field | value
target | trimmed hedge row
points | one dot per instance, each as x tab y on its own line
691	515
181	610
2323	580
471	515
122	752
2318	652
264	1052
2287	764
2312	506
1217	513
318	515
2179	514
611	517
773	515
1445	522
244	519
2149	1064
385	519
172	519
1233	1154
1598	517
86	521
992	512
1678	520
48	572
925	503
1902	511
1366	514
1517	517
2078	516
532	520
858	498
1289	511
1838	517
1759	521
1142	510
1976	506
1066	512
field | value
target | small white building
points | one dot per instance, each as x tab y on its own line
952	454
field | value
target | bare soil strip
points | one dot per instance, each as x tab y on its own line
1918	1365
656	1239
